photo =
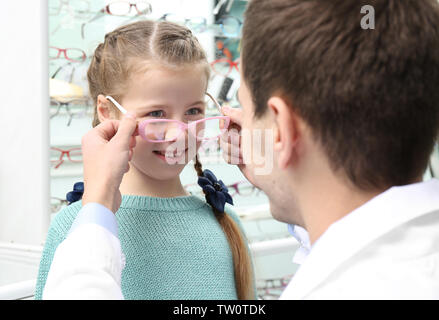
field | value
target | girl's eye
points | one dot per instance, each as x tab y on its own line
156	114
195	111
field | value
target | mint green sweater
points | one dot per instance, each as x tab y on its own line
174	249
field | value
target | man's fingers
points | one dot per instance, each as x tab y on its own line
107	129
231	152
235	115
127	128
232	160
231	136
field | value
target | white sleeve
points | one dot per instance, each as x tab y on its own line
87	265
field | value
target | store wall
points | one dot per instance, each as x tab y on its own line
24	131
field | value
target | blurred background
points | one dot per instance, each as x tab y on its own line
45	110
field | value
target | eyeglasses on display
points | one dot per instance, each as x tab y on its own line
77	108
70	54
230	26
121	9
240	188
56	204
224	66
271	289
196	24
78	8
73	155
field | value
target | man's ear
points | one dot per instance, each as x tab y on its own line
286	130
104	108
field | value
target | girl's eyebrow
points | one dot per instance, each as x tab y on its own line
152	107
196	103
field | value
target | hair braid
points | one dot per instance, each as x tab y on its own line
241	259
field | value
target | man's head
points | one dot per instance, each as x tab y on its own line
367	100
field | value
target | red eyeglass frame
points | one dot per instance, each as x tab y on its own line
64	50
65	152
106	9
232	64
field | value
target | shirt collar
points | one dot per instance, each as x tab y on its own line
301	235
356	230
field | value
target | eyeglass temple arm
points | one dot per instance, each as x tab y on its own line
214	101
98	15
121	109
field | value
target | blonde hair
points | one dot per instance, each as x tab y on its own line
131	48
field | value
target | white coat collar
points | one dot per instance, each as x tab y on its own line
353	232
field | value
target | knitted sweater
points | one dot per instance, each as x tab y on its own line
174	249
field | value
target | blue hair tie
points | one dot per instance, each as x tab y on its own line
76	194
216	192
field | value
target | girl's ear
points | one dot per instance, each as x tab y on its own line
104	108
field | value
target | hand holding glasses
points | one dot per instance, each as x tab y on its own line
168	130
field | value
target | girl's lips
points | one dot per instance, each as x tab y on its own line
163	155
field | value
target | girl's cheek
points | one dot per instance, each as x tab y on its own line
142	147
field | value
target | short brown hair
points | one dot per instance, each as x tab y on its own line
371	97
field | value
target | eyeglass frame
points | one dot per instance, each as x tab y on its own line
61	157
220	22
247	184
231	186
66	3
106	10
186	21
183	126
66	104
232	64
64	50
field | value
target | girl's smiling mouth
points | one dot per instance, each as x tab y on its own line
163	154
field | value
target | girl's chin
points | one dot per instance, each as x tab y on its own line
160	172
159	168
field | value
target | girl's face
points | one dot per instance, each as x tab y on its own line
162	93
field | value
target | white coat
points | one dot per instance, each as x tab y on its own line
386	249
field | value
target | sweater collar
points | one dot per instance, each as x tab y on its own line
181	203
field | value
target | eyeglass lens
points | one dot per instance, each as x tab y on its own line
206	129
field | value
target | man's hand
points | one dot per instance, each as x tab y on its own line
106	150
230	142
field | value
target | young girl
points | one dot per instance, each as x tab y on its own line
176	245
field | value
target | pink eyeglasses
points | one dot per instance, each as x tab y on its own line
167	130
